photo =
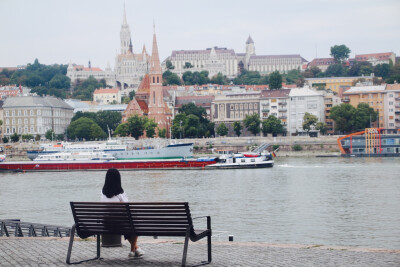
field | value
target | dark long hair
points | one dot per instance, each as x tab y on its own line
112	185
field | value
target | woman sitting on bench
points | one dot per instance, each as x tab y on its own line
113	192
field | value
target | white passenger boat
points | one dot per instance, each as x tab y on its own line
244	161
74	156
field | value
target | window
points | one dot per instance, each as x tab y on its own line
13	113
7	113
19	112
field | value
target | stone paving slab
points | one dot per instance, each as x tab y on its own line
52	252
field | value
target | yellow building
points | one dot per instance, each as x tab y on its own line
106	96
334	83
372	95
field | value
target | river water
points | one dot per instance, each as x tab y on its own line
327	201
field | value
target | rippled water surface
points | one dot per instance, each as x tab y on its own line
330	201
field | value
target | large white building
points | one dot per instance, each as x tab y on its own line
213	60
129	67
229	63
302	100
79	73
35	115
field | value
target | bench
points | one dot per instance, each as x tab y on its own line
172	219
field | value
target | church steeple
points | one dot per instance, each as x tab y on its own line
130	46
124	18
155	66
125	34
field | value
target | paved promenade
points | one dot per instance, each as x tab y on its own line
52	252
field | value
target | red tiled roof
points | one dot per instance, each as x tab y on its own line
395	86
379	56
106	91
144	86
321	61
275	93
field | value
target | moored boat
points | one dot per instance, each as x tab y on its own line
80	156
372	142
244	161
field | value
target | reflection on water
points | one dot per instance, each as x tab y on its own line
330	201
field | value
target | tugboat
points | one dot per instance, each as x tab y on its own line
244	161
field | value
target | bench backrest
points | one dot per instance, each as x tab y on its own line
160	218
101	218
140	218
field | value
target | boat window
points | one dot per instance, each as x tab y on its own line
253	160
242	160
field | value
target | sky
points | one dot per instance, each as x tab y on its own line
59	32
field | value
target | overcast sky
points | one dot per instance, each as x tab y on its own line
78	30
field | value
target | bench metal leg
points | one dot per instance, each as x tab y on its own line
185	248
209	238
98	246
71	240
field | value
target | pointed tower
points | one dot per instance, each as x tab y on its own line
157	106
125	35
250	49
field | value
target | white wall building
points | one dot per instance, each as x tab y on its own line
104	96
35	115
302	100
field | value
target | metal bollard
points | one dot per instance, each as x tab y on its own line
230	238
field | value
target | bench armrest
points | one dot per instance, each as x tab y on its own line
208	221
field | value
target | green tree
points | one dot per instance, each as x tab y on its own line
60	137
170	78
132	94
37	137
201	127
275	80
179	124
222	130
251	78
162	133
219	79
188	65
85	128
340	53
125	100
335	70
107	118
272	125
237	128
361	68
382	70
14	137
5	139
60	81
293	76
84	91
122	130
308	121
136	125
50	134
342	115
321	126
150	127
169	65
252	123
363	117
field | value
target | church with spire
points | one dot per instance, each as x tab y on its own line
129	67
149	99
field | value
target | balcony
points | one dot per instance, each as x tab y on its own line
282	109
282	103
283	117
265	110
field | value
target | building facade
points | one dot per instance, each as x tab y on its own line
335	83
302	100
392	106
104	96
330	101
372	95
234	107
222	60
35	115
79	73
377	58
276	103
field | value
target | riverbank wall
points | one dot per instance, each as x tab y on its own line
289	146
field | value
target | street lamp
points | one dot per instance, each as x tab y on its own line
180	134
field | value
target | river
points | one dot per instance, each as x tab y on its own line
320	201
